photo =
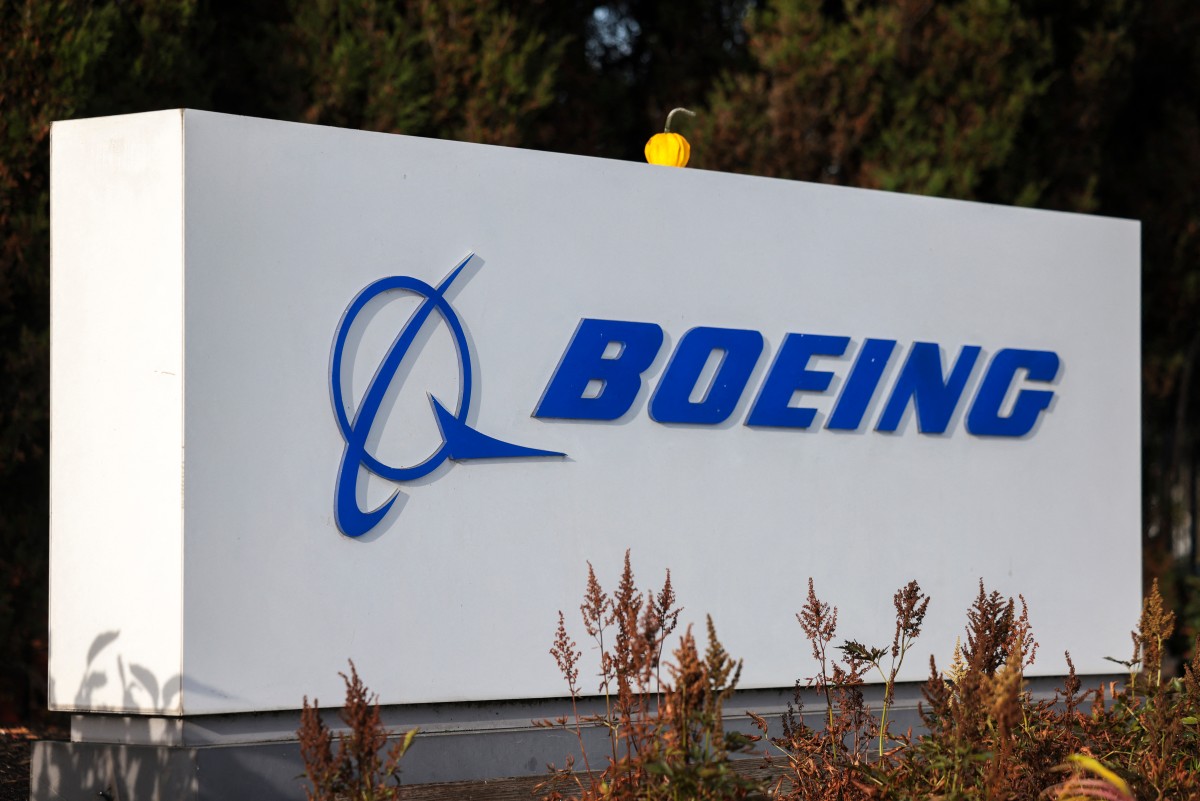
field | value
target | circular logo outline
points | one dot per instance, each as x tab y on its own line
356	432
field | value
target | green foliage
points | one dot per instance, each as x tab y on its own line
632	61
47	72
914	97
457	69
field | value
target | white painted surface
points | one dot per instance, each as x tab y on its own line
455	597
116	387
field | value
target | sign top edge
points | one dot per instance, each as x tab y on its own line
110	119
187	115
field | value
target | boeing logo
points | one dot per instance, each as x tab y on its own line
459	440
602	373
1001	407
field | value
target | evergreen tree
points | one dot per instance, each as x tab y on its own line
455	69
909	96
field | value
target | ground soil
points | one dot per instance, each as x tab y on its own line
15	746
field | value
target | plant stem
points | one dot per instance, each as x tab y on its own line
674	111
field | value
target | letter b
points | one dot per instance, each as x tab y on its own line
620	374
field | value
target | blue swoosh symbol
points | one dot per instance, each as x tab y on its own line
459	440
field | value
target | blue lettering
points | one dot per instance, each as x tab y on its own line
620	375
921	381
790	374
741	349
860	386
601	373
984	420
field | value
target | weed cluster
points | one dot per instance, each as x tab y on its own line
666	739
986	736
356	770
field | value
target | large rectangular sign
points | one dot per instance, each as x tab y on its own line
323	394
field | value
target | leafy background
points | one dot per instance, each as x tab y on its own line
1085	105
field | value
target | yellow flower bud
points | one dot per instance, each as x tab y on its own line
668	149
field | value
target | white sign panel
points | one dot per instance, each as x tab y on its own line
323	394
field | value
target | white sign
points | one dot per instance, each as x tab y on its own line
322	394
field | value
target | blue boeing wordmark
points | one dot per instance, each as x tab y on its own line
921	383
459	440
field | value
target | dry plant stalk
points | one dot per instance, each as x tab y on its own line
986	737
666	739
356	770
